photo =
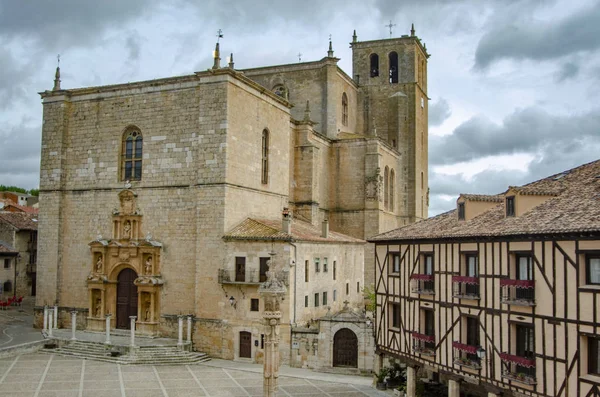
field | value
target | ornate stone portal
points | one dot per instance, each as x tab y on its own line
125	279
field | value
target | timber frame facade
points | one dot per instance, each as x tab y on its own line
527	302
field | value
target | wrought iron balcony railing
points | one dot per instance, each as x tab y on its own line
517	292
423	344
422	284
517	368
466	355
465	287
227	276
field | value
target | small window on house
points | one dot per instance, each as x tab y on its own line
334	269
306	271
394	264
265	157
374	65
461	211
324	298
393	72
592	269
253	305
510	206
7	263
317	268
344	109
132	151
305	300
428	264
334	295
593	356
317	300
325	268
395	312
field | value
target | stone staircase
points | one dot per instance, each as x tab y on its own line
142	355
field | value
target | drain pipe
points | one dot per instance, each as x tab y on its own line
294	296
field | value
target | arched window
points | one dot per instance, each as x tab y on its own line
344	109
281	91
374	65
265	157
393	72
386	187
132	155
392	187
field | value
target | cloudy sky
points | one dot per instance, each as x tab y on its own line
514	84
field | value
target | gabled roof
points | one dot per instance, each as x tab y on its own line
7	250
495	198
8	203
573	207
19	220
267	229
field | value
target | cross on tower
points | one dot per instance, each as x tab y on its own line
58	59
219	35
390	25
299	57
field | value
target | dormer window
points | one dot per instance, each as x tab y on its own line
510	206
461	211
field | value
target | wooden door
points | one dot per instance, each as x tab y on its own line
245	344
127	298
345	349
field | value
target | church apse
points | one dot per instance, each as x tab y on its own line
125	278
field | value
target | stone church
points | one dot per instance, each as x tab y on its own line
168	197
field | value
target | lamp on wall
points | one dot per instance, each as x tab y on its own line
480	353
233	302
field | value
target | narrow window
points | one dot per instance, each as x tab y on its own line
347	288
253	305
473	331
428	264
334	295
386	187
461	211
344	109
395	308
306	271
334	269
393	58
240	269
324	298
317	300
374	65
265	157
317	268
392	187
593	356
132	150
325	268
429	322
358	287
592	269
263	269
525	342
394	262
7	263
305	300
510	206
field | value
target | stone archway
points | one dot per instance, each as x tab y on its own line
127	297
345	349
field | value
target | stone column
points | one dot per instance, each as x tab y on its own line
180	331
132	326
45	318
189	329
73	324
107	329
411	382
55	316
272	291
50	326
453	388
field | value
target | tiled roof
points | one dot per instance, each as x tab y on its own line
18	208
495	198
20	220
573	208
5	248
266	229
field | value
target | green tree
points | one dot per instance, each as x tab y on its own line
369	295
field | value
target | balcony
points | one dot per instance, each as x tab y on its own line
422	284
423	344
518	369
517	292
465	287
249	277
466	356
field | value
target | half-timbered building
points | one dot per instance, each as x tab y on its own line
500	295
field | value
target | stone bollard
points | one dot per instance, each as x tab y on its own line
189	328
73	324
180	333
132	326
107	342
45	318
55	316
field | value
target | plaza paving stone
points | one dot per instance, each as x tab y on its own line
50	375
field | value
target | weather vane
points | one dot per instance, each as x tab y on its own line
390	25
58	59
219	35
299	57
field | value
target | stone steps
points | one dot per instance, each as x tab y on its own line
148	355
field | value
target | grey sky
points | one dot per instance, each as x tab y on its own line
514	85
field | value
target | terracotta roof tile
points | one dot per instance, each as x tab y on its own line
483	197
574	208
20	220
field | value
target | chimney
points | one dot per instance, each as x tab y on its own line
286	223
325	229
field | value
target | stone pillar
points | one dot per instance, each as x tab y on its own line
132	326
189	329
55	316
73	324
272	291
50	326
107	329
180	331
45	318
411	382
453	388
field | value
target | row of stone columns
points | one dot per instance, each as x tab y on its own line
50	319
453	385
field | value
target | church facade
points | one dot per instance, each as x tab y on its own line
169	197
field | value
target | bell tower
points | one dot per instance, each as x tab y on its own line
392	79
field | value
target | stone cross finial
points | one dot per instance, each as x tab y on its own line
330	51
412	29
390	26
299	57
57	75
354	37
231	61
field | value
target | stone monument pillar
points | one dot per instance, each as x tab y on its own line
272	291
107	342
73	324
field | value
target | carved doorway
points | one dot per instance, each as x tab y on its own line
345	349
245	344
127	298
